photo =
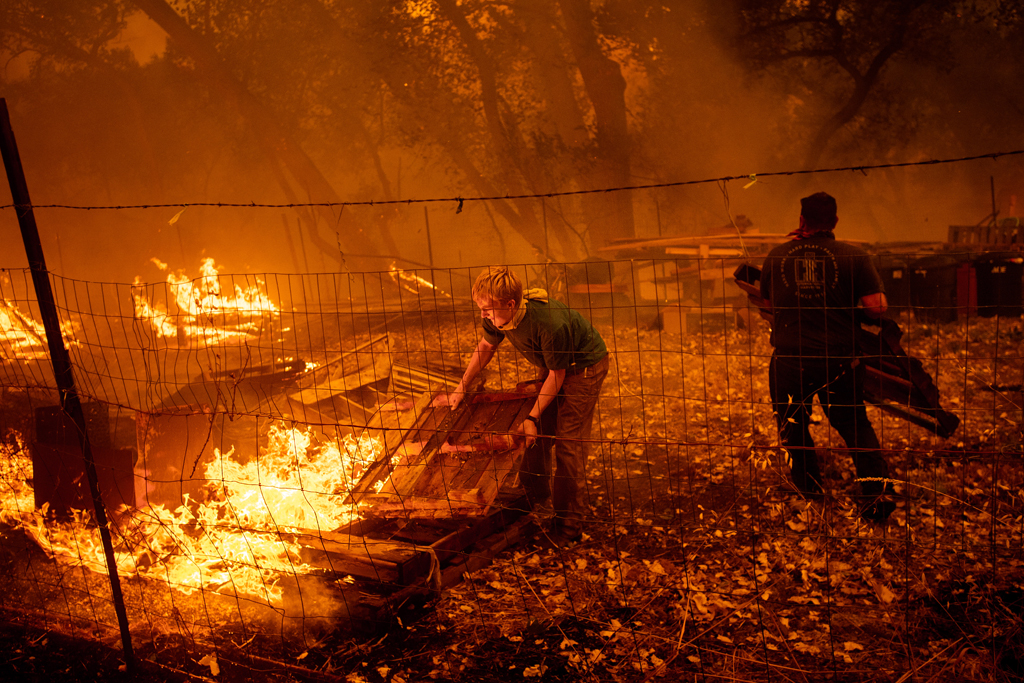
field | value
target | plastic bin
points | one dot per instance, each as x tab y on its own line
1000	284
943	288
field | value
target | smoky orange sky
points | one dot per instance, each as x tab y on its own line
731	130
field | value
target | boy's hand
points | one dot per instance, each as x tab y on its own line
529	430
451	400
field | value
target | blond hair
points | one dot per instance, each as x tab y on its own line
500	284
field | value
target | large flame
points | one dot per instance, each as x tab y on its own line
237	541
22	338
205	312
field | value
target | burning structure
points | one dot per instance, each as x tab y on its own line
238	469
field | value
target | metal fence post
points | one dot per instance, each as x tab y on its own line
60	358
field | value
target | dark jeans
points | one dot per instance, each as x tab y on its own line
565	424
794	381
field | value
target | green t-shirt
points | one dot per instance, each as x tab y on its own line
552	336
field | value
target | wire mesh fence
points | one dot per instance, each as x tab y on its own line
280	485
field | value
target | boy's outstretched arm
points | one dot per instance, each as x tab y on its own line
481	357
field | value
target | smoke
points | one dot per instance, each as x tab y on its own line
143	127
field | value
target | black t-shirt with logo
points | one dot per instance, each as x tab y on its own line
814	286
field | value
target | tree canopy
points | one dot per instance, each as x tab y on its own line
328	101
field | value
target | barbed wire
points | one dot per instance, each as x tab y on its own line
751	177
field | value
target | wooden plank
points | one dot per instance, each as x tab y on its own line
483	553
456	500
386	561
497	519
425	532
383	468
367	363
605	288
405	484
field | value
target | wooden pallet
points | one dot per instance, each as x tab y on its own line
381	566
451	503
449	463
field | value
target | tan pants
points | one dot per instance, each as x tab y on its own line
565	425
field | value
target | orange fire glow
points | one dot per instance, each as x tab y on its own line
236	541
22	338
204	311
413	282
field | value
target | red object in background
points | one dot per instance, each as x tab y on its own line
966	290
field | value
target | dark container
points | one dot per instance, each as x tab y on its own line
1000	284
894	269
943	288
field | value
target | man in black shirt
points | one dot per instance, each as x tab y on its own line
817	288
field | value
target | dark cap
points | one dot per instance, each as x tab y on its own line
819	209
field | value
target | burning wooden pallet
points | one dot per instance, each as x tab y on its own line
348	378
399	515
450	503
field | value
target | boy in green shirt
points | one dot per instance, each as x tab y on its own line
574	361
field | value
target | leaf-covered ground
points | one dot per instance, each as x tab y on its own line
701	562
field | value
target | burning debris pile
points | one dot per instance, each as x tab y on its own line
22	338
205	312
235	541
253	467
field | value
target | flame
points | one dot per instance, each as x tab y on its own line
26	338
235	542
412	282
204	311
16	494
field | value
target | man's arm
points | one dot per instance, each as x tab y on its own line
875	305
766	287
481	357
548	391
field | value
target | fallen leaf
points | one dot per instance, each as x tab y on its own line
882	591
210	660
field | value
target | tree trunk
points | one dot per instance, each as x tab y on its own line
276	142
611	214
522	219
552	69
